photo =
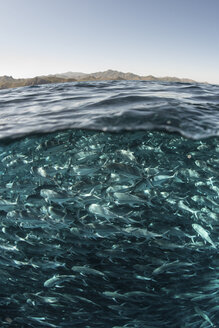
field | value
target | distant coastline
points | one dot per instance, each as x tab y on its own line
7	82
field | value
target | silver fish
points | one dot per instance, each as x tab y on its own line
85	270
56	197
7	205
101	211
204	316
128	199
113	295
187	208
42	321
125	169
203	233
141	232
57	279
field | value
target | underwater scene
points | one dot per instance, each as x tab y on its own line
105	229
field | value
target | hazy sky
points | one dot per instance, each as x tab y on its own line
158	37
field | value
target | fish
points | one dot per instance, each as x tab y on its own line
159	179
170	265
41	171
53	212
137	294
57	280
56	197
127	154
141	232
84	170
102	211
186	208
143	185
7	205
203	233
42	321
34	200
143	278
128	199
125	169
85	270
86	156
86	300
114	295
204	316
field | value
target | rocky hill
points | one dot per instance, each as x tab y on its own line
10	82
116	75
70	75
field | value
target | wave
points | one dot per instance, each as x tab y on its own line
189	109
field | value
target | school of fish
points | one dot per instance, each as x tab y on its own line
109	230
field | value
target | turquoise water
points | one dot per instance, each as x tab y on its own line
102	229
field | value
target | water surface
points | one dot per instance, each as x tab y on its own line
105	229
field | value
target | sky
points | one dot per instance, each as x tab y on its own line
147	37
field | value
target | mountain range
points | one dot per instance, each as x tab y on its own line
10	82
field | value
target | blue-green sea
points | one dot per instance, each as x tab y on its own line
109	205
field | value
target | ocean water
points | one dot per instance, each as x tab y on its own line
109	205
